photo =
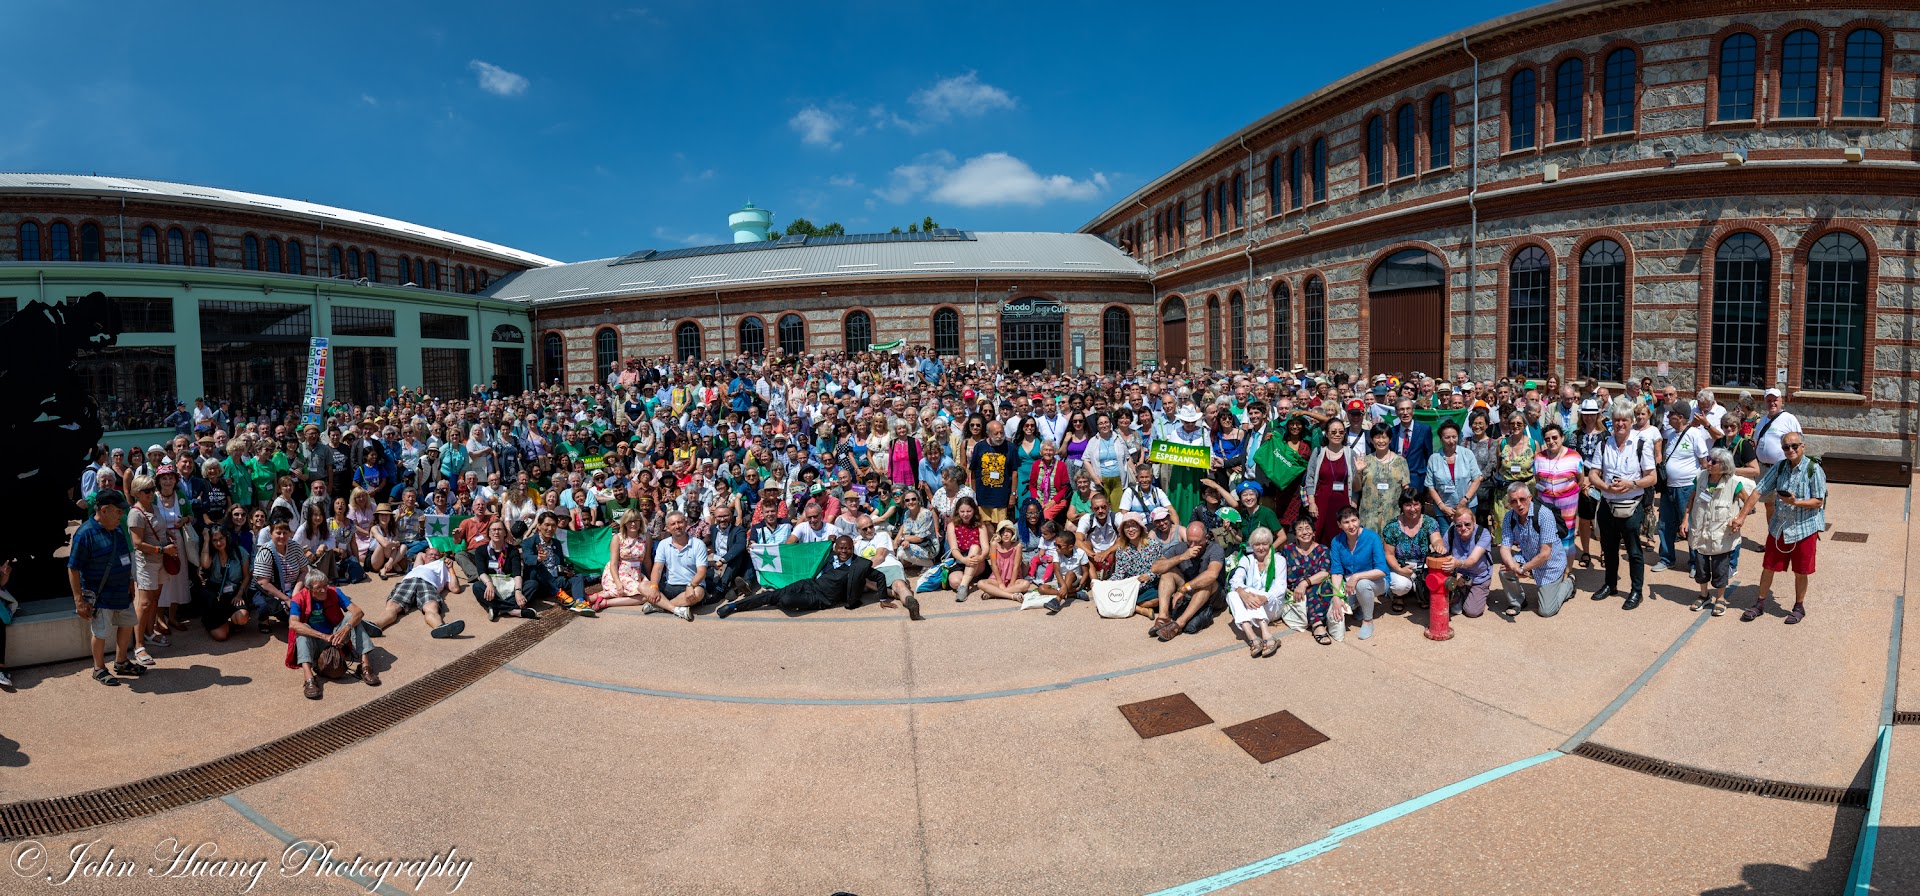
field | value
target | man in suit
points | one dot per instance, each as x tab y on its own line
550	573
1413	441
730	564
844	578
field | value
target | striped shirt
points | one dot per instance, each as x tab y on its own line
286	571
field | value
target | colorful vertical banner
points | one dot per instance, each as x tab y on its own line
314	405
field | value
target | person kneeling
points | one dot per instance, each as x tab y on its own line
321	617
843	578
424	588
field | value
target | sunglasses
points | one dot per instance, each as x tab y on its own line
1793	447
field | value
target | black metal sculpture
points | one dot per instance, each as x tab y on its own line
48	423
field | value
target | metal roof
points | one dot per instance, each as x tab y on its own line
94	184
774	264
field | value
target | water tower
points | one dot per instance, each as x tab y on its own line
751	225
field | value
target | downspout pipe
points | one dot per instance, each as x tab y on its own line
1473	208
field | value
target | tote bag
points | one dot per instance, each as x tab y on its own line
1115	598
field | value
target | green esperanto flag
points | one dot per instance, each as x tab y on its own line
588	548
440	528
784	564
1432	419
893	346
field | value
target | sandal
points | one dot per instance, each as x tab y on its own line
1321	636
1254	646
1719	608
1169	631
1153	631
1398	606
1753	612
1701	602
1269	646
1799	613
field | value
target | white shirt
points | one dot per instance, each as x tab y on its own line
434	573
1134	501
1101	536
1630	462
1686	453
804	534
1767	448
1054	428
868	547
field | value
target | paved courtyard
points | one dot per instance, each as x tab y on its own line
982	751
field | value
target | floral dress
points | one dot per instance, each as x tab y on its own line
1305	563
1411	550
1379	506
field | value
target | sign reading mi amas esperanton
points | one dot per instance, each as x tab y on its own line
1179	454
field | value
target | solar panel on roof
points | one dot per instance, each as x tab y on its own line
633	257
792	239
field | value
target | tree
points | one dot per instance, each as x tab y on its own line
926	225
804	227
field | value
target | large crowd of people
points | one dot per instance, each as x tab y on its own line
1314	501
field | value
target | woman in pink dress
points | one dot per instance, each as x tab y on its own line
625	582
1556	471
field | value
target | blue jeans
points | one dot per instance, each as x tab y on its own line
1674	501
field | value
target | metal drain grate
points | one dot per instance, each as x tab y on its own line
111	805
1854	537
1165	715
1906	717
1687	774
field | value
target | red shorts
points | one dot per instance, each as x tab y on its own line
1799	556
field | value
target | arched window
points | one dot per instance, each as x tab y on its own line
149	245
202	249
1529	285
296	258
372	269
433	276
420	273
1296	169
1569	100
1860	80
1320	169
337	262
1180	221
1440	132
753	337
460	277
1213	332
353	263
1406	269
508	333
29	241
606	353
1523	108
1282	326
1603	312
59	242
1406	130
857	332
946	333
1376	150
1316	324
483	278
1736	78
90	242
1276	175
1206	212
553	358
1835	311
273	254
1237	329
1799	74
686	341
406	270
1116	341
1239	198
1742	340
793	335
250	253
1617	106
176	246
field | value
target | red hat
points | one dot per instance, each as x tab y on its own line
1355	404
968	395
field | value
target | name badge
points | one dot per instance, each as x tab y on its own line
126	559
1384	486
1339	486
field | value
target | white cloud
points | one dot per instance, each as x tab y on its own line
965	96
498	81
816	126
843	180
995	178
685	239
369	99
694	177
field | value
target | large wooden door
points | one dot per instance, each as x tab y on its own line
1173	335
1407	331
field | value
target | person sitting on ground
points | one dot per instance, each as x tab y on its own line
224	584
1258	593
1006	570
844	578
1311	605
550	573
1097	534
1359	562
389	555
624	582
1072	572
1190	576
279	566
679	570
729	566
498	585
968	537
425	588
1531	547
322	616
917	543
100	575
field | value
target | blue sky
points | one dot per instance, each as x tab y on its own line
583	130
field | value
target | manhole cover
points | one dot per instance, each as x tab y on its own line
1165	715
1855	537
1270	737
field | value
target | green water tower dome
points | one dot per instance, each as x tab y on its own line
751	225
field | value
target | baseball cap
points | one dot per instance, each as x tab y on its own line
110	498
1775	393
1355	404
1159	513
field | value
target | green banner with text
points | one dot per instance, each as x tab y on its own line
1180	455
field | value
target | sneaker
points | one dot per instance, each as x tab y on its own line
684	613
724	611
493	614
373	631
448	629
104	677
960	596
650	609
5	682
1366	630
129	670
580	607
1661	566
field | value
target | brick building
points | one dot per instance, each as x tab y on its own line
1723	195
